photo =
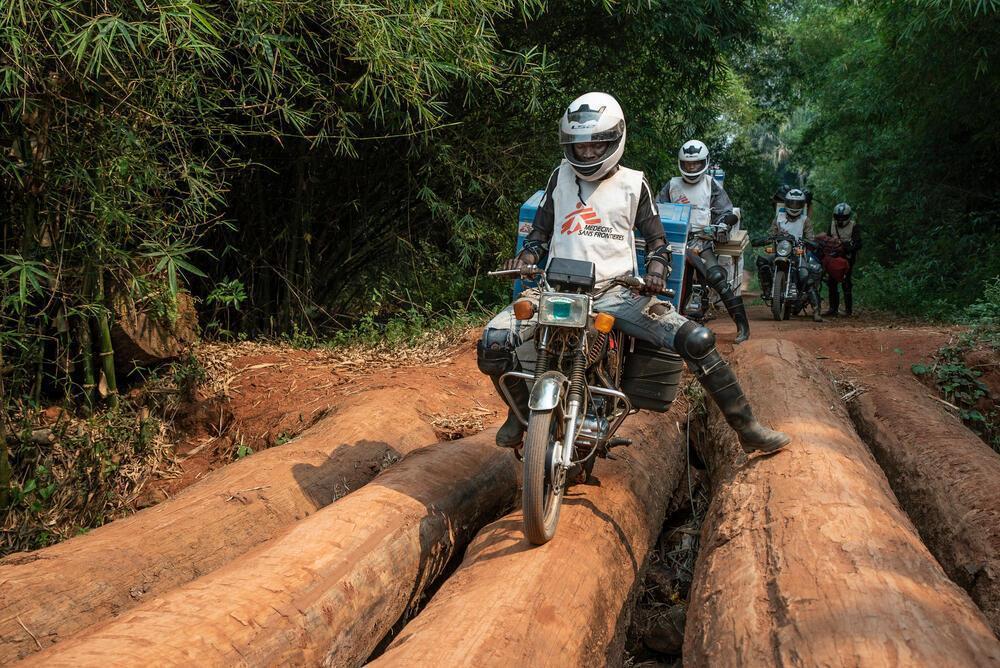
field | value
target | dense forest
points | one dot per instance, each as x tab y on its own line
317	171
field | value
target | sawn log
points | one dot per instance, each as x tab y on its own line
806	558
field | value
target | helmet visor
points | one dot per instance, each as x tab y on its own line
693	167
577	135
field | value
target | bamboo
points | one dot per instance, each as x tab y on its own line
107	353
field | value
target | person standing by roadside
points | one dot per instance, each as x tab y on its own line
844	229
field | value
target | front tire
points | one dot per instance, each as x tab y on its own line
541	498
778	293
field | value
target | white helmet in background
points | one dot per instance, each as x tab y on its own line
597	120
692	160
795	202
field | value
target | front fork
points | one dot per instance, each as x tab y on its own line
574	402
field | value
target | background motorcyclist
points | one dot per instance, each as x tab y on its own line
709	205
597	203
794	220
844	229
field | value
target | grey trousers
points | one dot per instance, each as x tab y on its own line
631	311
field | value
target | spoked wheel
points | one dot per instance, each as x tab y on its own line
541	498
777	292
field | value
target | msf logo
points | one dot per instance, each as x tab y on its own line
580	217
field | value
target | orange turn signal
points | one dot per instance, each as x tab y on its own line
524	309
800	251
604	322
769	250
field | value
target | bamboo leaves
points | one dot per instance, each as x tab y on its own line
30	277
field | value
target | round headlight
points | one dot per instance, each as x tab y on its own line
784	248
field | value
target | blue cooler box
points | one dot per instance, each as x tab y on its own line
674	218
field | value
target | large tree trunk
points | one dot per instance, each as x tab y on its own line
59	590
564	603
945	477
806	558
331	587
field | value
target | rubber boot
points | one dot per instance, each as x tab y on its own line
766	279
816	304
722	385
738	312
511	432
848	304
834	291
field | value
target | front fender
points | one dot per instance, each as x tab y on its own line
547	391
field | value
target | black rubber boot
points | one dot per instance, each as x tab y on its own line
738	312
848	303
834	291
722	385
511	432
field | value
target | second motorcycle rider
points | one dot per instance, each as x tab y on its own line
590	208
710	205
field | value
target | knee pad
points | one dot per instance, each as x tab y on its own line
494	358
693	341
717	277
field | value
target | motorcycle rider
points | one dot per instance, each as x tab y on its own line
709	204
844	228
794	221
590	208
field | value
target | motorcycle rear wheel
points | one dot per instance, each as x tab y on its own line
541	497
777	294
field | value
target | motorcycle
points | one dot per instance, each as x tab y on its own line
787	256
697	295
587	379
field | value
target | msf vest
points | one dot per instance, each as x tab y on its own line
698	195
599	228
794	227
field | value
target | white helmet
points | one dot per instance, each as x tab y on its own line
795	202
594	117
693	151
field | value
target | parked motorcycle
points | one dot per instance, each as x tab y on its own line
787	257
587	379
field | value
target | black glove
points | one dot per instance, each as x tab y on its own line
809	196
722	235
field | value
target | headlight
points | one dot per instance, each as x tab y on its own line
564	310
784	248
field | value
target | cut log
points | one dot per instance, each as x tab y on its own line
564	603
331	587
945	477
61	589
806	558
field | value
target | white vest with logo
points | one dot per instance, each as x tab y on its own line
698	195
599	229
794	227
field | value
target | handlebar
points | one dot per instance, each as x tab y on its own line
527	271
636	283
534	271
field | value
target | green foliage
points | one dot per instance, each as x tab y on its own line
961	385
896	117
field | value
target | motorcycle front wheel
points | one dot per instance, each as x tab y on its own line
541	497
778	293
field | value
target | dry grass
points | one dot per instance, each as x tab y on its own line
459	425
